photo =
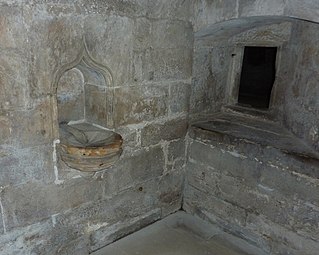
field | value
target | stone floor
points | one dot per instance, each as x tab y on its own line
180	234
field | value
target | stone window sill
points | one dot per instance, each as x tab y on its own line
227	128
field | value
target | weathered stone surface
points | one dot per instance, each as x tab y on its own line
162	50
136	104
170	192
57	42
71	96
110	42
2	224
254	192
226	214
179	95
44	238
97	106
23	241
78	246
168	34
202	177
141	167
166	9
279	239
123	176
142	33
31	202
202	88
207	12
19	166
109	234
243	185
231	163
260	8
210	12
295	186
303	10
162	34
162	64
49	208
260	146
166	131
12	27
202	153
32	127
129	203
169	64
13	80
176	152
271	34
300	104
131	139
6	129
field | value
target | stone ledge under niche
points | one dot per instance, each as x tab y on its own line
88	147
254	136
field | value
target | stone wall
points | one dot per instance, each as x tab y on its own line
253	191
207	12
218	54
249	187
48	208
301	106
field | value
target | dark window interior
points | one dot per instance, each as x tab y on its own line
257	76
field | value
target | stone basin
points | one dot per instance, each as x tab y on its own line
89	148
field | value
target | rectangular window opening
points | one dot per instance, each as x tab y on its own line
257	76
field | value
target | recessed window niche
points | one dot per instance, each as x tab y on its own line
257	76
84	97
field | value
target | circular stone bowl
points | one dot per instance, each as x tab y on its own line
88	148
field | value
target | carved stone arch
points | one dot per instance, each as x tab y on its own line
98	81
84	58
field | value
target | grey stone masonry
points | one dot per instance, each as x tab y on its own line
254	191
147	70
145	48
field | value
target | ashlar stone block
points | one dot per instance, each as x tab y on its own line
32	202
13	80
19	166
13	27
165	131
131	170
135	104
179	95
110	42
163	64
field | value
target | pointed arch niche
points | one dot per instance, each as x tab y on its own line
83	92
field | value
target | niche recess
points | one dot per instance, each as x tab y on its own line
264	108
257	76
84	95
